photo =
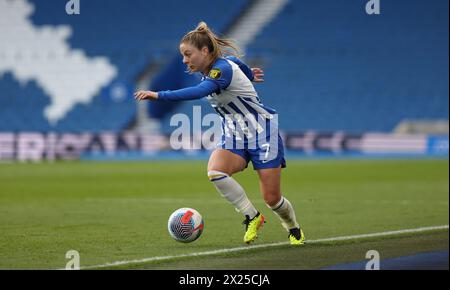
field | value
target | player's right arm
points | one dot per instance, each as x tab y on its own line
201	90
218	79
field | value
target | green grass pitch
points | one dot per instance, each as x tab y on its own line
118	211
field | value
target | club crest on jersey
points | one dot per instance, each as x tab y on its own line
215	73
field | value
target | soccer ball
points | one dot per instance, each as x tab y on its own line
185	225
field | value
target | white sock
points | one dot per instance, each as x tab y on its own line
284	210
233	192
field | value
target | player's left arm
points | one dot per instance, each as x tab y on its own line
258	74
254	74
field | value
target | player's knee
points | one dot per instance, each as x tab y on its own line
272	199
215	175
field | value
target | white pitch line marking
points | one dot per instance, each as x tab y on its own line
245	248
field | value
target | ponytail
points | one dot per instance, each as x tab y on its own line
218	47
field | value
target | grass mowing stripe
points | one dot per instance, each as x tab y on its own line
244	248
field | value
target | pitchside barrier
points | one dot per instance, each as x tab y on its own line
35	147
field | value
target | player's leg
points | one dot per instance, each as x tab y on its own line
221	166
270	185
226	161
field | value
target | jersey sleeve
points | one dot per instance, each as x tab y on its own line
244	68
192	93
220	74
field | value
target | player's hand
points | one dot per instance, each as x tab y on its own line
258	75
146	95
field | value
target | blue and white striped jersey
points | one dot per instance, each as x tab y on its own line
246	121
244	118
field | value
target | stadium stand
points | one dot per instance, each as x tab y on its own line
99	30
329	68
340	73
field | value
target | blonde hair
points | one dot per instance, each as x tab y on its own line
202	36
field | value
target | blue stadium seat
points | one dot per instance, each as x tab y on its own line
130	34
330	66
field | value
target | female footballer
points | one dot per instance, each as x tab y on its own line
227	84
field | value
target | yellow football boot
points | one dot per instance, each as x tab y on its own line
252	226
296	237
